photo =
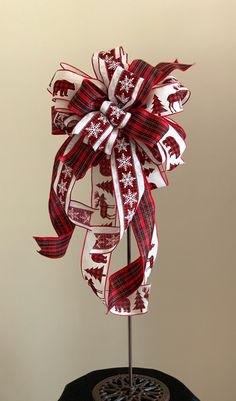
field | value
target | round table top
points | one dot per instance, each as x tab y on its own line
81	388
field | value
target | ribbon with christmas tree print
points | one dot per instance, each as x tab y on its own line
119	128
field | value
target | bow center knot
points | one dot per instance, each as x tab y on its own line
116	116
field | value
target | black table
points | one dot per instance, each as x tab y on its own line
81	388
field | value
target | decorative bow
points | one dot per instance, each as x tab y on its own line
119	127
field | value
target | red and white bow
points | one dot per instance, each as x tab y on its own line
118	126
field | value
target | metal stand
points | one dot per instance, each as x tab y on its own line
129	387
129	317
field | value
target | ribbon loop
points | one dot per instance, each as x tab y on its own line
88	98
167	98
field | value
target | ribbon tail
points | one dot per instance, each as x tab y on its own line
79	158
125	281
103	236
54	247
123	284
164	69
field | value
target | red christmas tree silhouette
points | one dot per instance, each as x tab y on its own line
143	156
106	186
151	261
104	166
157	106
148	171
139	304
146	293
96	272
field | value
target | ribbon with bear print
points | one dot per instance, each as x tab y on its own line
119	128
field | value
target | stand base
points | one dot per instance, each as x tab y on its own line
117	388
81	388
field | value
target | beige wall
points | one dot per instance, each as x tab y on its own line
52	328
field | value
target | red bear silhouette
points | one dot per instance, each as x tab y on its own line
99	258
62	86
123	304
174	147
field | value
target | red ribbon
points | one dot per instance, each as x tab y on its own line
119	128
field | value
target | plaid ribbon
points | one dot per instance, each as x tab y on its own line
120	129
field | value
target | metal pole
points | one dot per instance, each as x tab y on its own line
129	317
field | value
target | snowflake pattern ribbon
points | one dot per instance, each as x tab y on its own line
118	125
